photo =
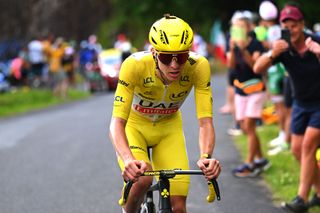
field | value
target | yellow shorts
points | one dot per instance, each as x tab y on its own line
166	138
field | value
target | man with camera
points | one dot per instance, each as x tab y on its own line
300	55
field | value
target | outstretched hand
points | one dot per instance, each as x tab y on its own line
133	169
210	167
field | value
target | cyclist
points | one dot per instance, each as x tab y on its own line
300	56
152	87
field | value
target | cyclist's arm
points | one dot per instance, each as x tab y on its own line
119	139
206	136
203	97
132	167
210	166
121	110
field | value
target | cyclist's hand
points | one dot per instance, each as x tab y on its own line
210	167
133	169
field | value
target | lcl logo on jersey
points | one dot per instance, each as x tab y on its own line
147	80
178	96
119	99
184	80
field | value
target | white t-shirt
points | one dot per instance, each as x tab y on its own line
35	52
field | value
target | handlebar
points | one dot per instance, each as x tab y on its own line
213	187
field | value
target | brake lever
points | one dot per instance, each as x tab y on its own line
216	188
125	193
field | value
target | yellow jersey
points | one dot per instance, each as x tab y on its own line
141	95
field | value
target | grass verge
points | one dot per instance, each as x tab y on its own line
283	176
25	100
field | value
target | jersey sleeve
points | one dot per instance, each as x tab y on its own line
202	89
125	89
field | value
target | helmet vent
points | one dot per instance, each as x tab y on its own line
163	37
181	42
185	36
153	41
155	29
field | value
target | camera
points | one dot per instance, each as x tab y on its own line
285	35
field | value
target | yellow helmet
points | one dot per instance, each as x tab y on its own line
171	34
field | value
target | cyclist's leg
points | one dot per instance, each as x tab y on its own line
138	147
178	204
171	153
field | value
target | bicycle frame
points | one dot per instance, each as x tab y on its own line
163	186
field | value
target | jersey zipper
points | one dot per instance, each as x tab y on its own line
155	117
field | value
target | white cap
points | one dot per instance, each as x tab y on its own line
316	27
246	14
268	11
236	15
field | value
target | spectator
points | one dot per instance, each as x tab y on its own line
88	54
275	77
36	59
124	45
199	45
250	93
93	44
229	107
58	76
300	55
46	44
68	63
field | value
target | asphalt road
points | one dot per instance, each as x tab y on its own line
60	160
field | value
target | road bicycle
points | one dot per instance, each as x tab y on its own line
163	187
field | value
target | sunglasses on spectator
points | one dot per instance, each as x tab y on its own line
180	58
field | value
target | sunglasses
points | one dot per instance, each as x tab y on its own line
166	58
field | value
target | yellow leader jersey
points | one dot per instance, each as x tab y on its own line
142	95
